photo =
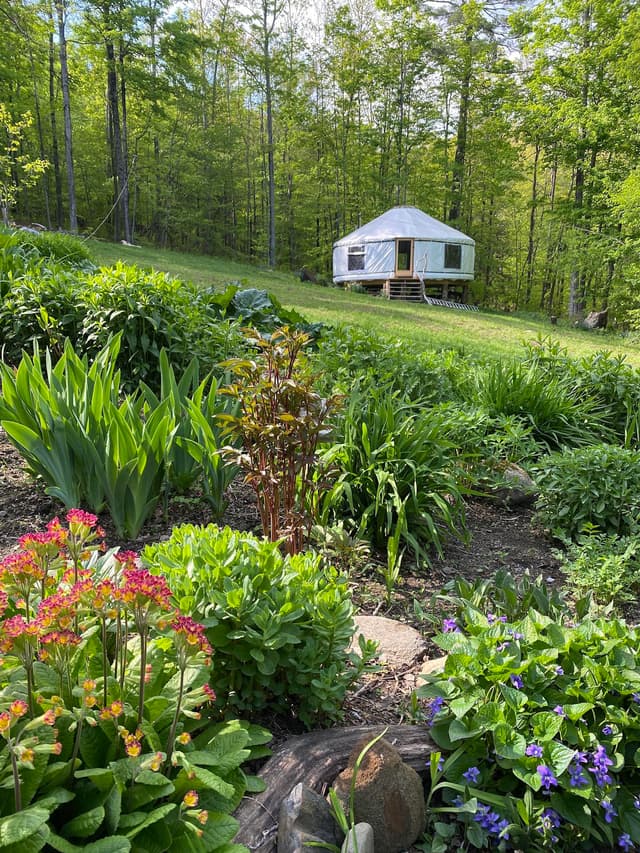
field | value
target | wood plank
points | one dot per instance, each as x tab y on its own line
316	758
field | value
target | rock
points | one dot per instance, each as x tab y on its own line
359	839
433	665
596	320
306	817
388	795
518	488
398	645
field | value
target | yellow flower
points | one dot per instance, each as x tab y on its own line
190	799
185	737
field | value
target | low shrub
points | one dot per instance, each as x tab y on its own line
538	721
281	625
605	565
397	474
106	743
597	486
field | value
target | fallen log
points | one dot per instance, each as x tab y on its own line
315	759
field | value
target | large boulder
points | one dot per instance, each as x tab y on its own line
517	488
388	795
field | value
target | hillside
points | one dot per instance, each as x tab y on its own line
477	333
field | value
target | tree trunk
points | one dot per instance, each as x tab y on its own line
532	225
66	106
119	167
457	183
55	154
271	179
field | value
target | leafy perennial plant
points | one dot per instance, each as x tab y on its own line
540	722
102	744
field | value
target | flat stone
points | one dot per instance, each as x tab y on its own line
359	839
305	818
399	645
433	665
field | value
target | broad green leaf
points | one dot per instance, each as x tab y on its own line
508	742
18	827
84	825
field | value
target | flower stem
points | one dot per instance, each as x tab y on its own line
174	724
17	791
143	673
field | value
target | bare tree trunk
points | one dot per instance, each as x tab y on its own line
55	154
66	106
457	183
532	225
268	29
119	166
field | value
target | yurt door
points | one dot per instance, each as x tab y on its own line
404	257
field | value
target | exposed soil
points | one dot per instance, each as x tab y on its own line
498	538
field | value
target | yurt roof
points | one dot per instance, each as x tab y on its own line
404	222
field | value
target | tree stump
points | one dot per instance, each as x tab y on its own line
315	759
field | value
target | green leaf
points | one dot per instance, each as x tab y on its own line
572	809
508	742
559	756
85	824
150	818
18	827
113	844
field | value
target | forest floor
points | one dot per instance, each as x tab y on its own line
499	538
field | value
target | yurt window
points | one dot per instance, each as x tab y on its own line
355	258
452	256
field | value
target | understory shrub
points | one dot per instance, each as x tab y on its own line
347	355
538	720
397	476
605	565
281	625
597	486
63	248
107	744
557	414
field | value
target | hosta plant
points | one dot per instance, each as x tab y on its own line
105	740
538	722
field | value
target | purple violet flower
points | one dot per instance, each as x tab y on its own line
636	698
516	681
450	626
607	730
533	750
625	842
472	775
600	765
559	670
577	778
551	818
559	710
609	810
435	706
546	777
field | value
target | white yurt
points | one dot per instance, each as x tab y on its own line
405	253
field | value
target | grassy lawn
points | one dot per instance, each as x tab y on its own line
421	326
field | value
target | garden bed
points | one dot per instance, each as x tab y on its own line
499	538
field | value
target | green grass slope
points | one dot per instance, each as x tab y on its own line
424	326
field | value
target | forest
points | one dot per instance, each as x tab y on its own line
265	130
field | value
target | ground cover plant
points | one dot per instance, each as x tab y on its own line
281	625
538	720
106	742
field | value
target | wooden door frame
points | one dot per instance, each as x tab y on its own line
407	272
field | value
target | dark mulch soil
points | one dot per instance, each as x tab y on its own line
499	538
